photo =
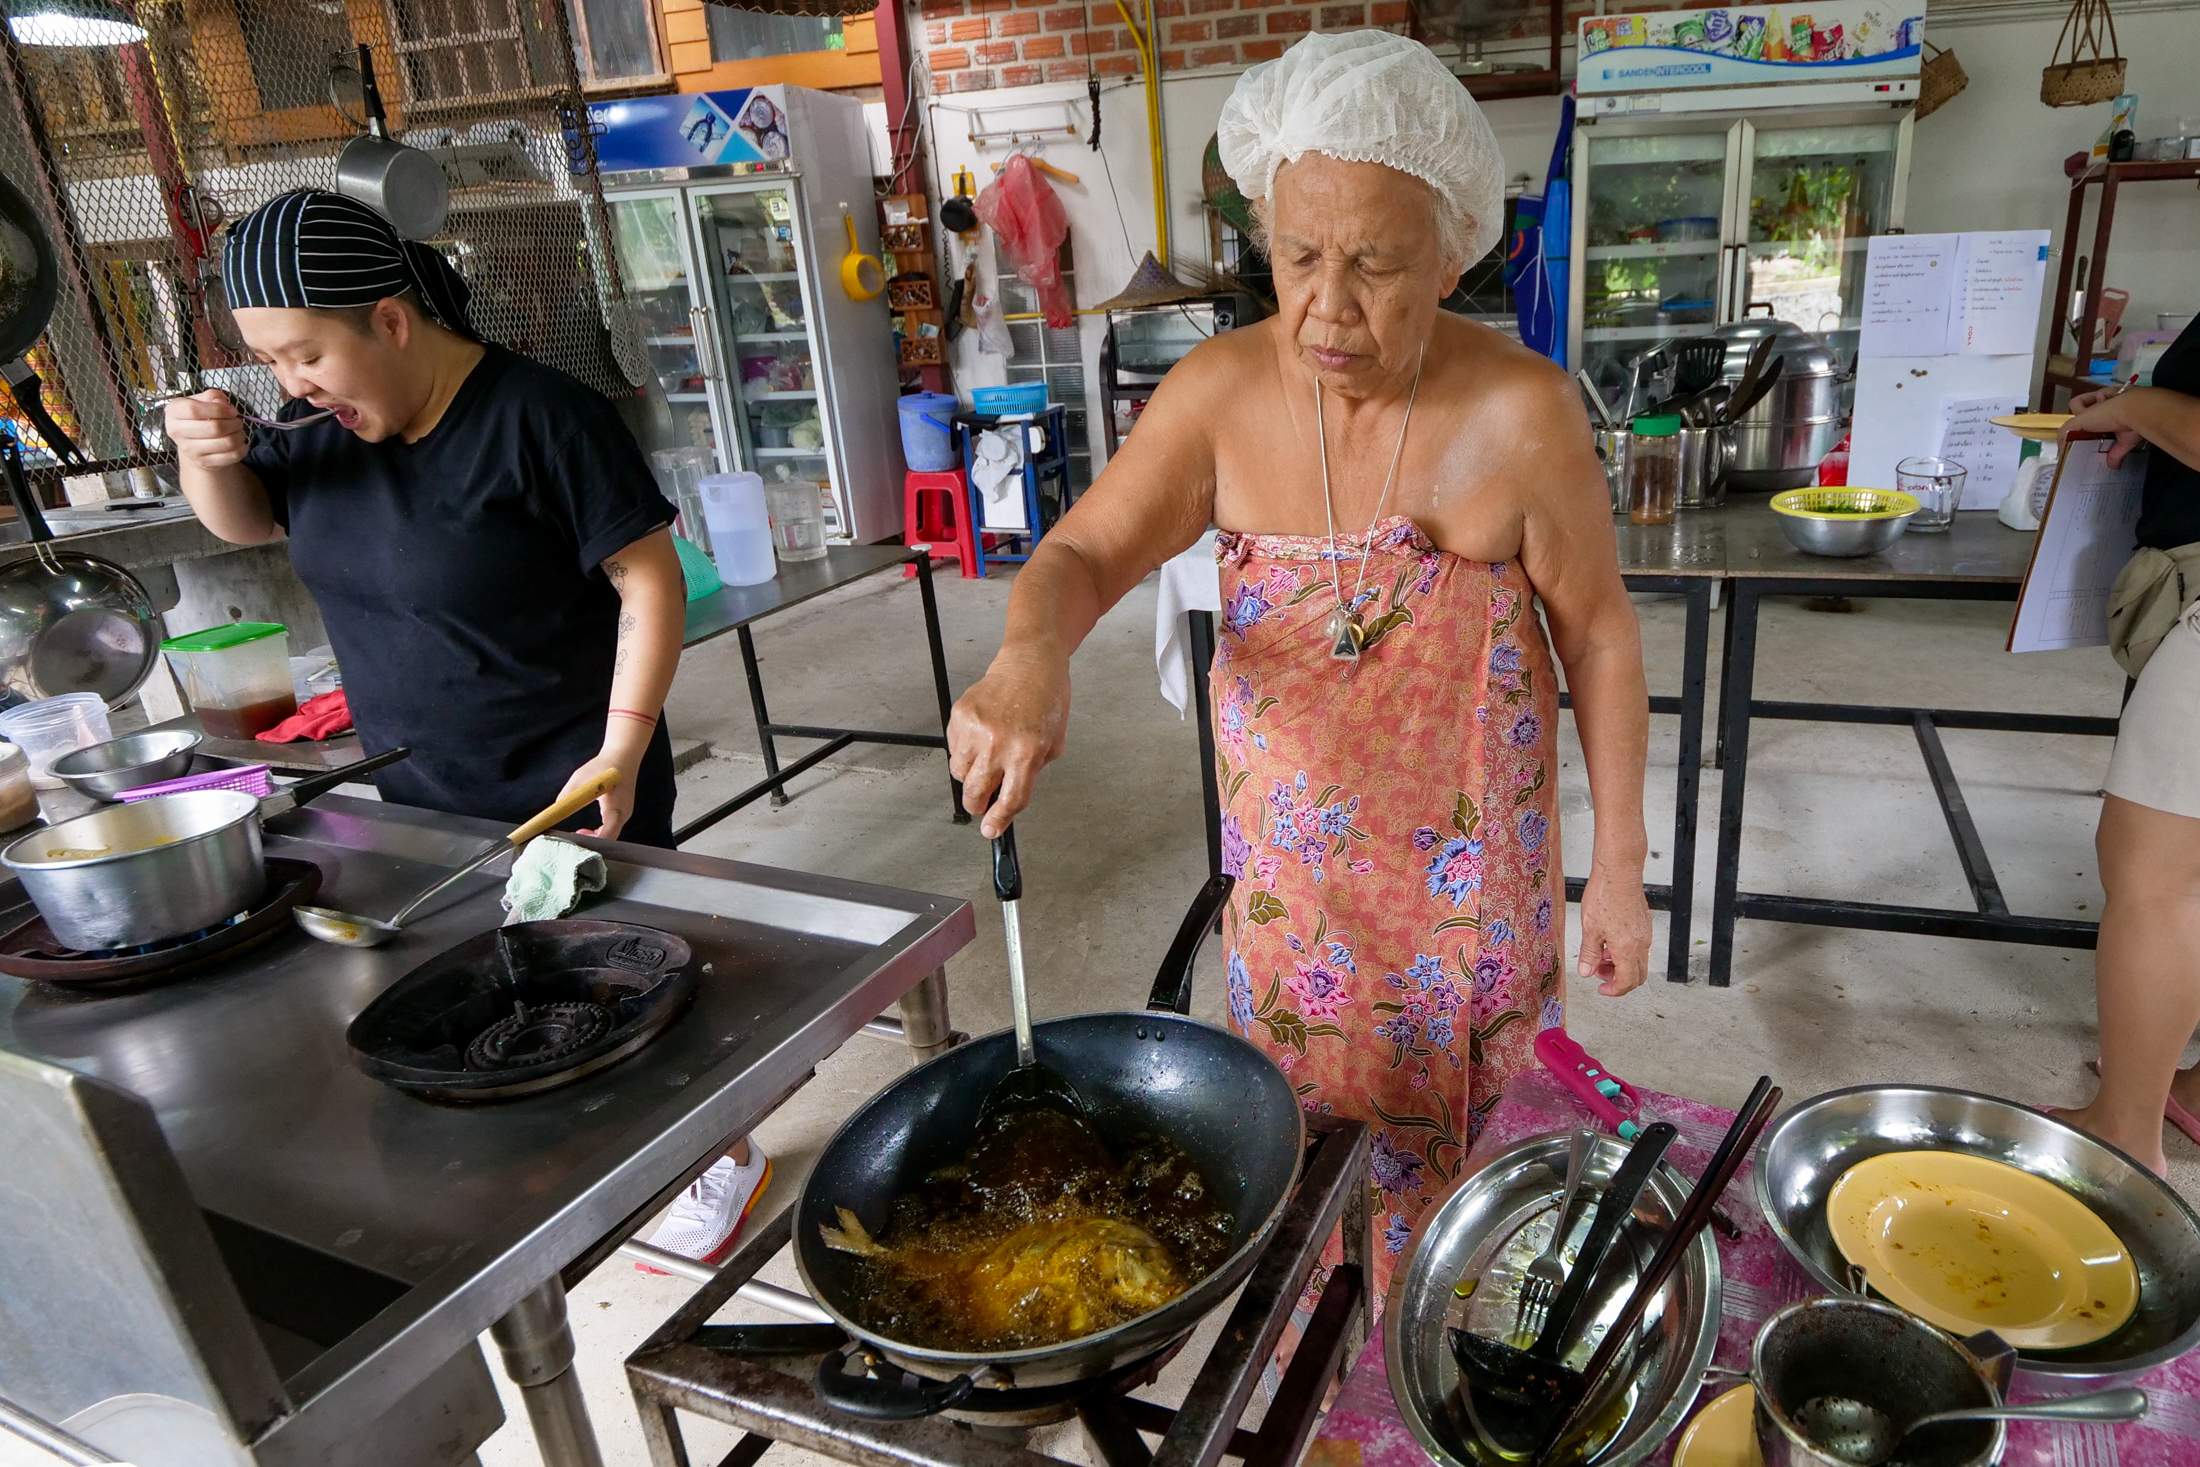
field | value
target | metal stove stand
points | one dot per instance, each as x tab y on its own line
759	1378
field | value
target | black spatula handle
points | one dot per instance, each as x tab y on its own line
1008	877
1613	1209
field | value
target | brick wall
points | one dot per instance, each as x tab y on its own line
972	45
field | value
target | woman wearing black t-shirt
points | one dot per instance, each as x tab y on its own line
486	546
2147	968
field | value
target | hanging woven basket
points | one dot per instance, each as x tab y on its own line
2092	74
1938	80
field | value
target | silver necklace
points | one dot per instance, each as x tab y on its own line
1347	634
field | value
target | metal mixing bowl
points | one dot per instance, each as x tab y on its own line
1492	1224
1807	1151
104	771
1887	514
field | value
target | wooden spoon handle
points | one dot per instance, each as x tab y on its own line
578	800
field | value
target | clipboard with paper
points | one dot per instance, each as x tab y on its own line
2086	534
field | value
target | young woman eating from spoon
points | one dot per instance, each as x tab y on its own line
484	541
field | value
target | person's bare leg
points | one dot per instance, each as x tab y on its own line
739	1151
2147	972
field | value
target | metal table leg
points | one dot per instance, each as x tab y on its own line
939	677
1735	693
924	1016
763	715
1688	781
537	1346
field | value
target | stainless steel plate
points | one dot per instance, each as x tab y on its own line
1490	1224
1807	1151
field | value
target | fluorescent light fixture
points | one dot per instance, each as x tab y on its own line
73	23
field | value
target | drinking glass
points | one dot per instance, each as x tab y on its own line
1937	484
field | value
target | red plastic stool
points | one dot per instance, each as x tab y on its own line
935	512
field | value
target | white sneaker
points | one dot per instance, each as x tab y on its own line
706	1220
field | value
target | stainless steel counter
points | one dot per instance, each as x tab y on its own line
466	1211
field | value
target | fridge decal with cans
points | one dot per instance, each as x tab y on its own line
731	211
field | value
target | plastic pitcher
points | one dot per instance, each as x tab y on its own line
926	441
740	527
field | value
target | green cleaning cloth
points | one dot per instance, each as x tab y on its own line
549	879
702	576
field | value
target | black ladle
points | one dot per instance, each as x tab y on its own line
1031	1085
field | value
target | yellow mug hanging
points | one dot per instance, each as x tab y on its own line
852	263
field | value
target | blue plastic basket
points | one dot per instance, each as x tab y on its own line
1024	397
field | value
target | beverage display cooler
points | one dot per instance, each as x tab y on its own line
732	212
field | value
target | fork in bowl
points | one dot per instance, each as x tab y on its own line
1539	1286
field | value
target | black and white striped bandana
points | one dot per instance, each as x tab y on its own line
328	251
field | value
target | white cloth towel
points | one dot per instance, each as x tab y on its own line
1189	582
549	878
997	468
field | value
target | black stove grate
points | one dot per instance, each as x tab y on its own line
762	1378
540	1035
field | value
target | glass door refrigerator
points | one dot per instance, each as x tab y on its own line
1730	162
732	212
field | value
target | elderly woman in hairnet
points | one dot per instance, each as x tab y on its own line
1396	489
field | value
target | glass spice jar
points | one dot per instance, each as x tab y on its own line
1654	469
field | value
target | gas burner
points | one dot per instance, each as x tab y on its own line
537	1036
523	1009
31	951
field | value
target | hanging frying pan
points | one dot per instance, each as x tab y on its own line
401	183
30	282
69	622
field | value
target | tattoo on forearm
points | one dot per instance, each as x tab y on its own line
627	624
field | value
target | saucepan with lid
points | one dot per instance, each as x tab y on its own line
130	875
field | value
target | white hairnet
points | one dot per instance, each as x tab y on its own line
1368	97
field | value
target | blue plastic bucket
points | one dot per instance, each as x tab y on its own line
925	440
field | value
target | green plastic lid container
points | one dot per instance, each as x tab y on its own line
1657	425
221	638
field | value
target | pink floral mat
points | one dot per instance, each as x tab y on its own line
1364	1428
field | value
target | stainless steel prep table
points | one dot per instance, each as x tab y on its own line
474	1213
1977	559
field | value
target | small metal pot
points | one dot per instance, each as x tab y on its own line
401	183
1876	1354
134	874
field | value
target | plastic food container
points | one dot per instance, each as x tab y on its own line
798	520
18	801
740	528
51	727
1694	227
237	677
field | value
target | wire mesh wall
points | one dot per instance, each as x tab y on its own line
137	156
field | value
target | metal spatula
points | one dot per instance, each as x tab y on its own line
1031	1085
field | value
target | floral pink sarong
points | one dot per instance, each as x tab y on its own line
1394	938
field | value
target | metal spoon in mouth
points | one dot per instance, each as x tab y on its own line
1867	1436
347	929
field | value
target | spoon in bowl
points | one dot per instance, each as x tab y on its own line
1867	1436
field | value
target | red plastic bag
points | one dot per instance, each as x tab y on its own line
1833	469
1021	208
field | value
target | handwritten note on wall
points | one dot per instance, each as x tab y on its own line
1929	295
1988	453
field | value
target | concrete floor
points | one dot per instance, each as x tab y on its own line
1112	850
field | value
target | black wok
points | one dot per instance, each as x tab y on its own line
1207	1090
30	283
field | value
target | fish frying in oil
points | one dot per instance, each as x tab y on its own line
1039	1235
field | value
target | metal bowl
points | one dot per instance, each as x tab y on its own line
1808	1150
104	771
1490	1225
1875	519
